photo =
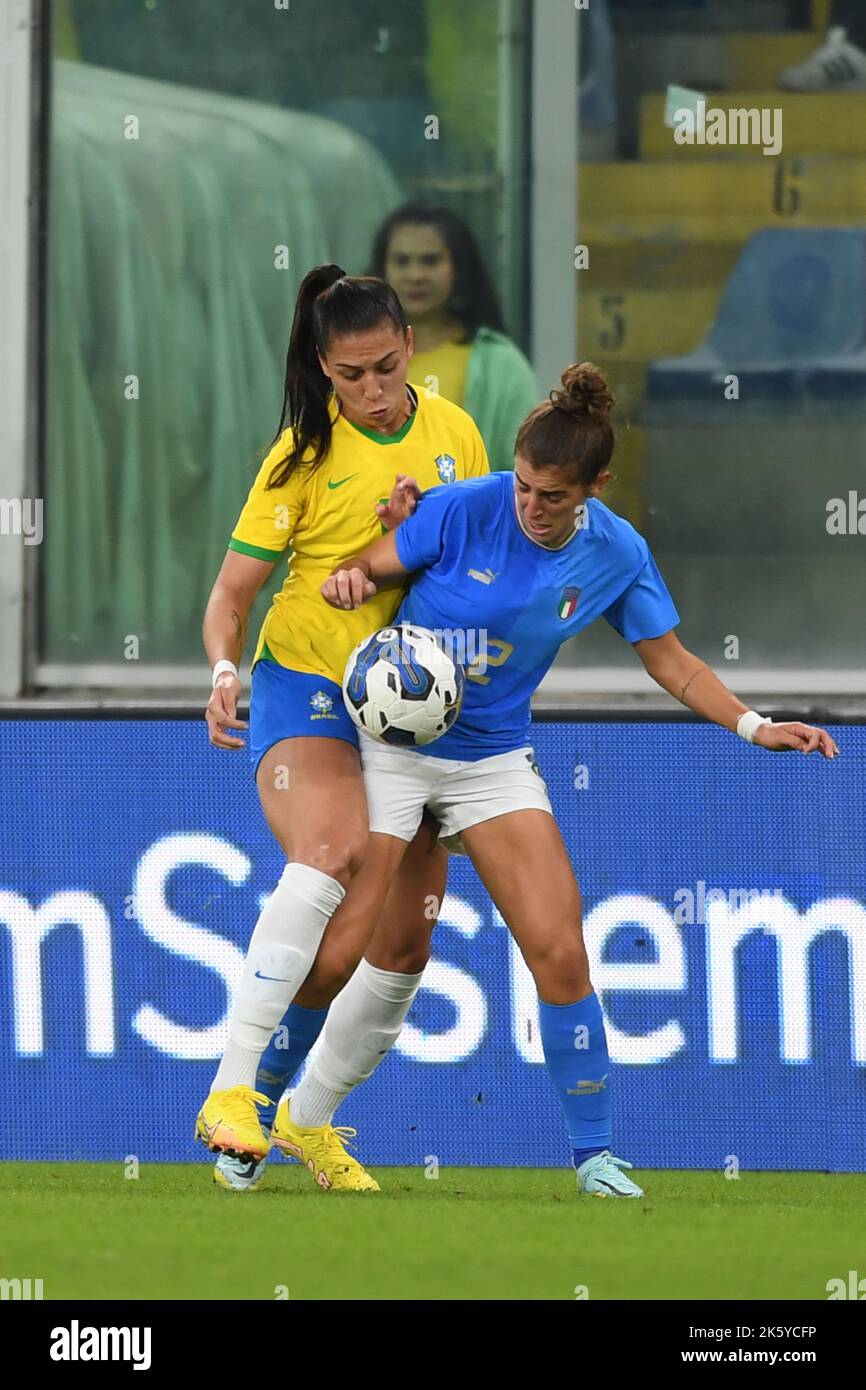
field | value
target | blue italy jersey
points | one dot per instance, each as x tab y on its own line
510	603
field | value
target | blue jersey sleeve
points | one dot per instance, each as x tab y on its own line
421	538
645	609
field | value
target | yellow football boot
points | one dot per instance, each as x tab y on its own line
229	1122
323	1151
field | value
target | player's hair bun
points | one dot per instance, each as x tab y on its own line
572	428
584	392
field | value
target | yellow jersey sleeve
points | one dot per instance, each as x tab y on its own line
270	515
477	462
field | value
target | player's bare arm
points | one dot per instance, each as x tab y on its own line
224	633
691	681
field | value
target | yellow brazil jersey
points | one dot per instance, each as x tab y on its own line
326	514
443	370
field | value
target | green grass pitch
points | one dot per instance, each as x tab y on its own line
90	1233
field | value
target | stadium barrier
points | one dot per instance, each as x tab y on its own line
725	917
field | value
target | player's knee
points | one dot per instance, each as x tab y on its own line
401	958
340	859
560	968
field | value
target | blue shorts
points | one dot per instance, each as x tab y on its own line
292	704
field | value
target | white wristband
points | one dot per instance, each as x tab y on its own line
221	668
748	723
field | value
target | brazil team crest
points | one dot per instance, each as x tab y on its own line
322	706
568	603
446	467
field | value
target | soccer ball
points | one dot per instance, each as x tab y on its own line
402	687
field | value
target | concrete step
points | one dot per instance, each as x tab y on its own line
658	262
640	325
700	200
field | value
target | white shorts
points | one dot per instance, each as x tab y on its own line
401	782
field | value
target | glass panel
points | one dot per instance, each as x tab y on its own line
726	301
203	160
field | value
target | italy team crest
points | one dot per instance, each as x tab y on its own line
568	603
446	467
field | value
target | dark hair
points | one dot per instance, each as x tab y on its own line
473	300
329	302
573	428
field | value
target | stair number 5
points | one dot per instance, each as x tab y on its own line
493	653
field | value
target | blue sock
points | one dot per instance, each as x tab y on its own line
289	1045
575	1051
579	1156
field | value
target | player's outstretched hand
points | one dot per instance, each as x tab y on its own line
347	589
781	738
221	712
401	503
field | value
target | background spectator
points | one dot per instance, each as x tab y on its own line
462	351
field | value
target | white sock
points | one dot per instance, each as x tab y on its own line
362	1026
281	952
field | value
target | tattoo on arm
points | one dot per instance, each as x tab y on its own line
240	635
691	678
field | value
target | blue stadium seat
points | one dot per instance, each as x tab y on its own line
791	326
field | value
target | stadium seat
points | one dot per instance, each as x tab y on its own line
791	327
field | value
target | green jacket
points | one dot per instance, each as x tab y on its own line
500	391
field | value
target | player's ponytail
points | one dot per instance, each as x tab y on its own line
329	302
573	427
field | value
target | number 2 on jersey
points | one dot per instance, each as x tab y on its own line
488	657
